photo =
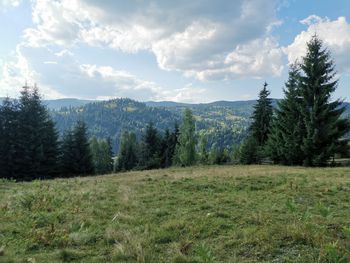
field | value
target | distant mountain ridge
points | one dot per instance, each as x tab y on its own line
225	123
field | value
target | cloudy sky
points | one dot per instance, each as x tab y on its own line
188	51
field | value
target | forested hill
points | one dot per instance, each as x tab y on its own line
223	124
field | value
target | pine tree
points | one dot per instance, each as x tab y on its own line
185	153
8	139
262	116
150	148
253	148
287	129
37	138
67	157
322	117
83	164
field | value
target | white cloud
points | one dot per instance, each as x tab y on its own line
188	94
18	72
335	34
6	4
191	37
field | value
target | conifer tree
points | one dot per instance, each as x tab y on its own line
253	147
37	138
127	157
185	153
83	164
322	117
150	148
8	139
67	158
287	130
262	116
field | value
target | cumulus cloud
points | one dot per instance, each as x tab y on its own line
17	72
191	37
335	34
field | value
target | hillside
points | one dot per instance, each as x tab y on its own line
199	214
224	125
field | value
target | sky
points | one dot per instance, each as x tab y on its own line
185	51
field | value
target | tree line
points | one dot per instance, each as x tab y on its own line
30	147
307	127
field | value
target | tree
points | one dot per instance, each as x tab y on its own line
262	115
202	149
102	155
83	157
150	148
127	156
67	158
8	139
185	153
287	129
249	151
253	148
76	157
322	117
35	145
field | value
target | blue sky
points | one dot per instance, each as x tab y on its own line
188	51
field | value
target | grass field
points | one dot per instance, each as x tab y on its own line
199	214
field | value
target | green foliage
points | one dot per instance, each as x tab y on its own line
29	141
127	157
249	151
322	118
150	149
102	155
76	157
185	153
261	117
286	134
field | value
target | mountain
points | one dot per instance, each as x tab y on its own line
60	103
224	125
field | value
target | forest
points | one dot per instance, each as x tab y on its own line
307	127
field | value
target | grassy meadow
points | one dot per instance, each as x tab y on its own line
198	214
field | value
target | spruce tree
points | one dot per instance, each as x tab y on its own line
253	147
67	157
322	117
287	129
262	116
8	139
83	164
185	153
150	148
37	138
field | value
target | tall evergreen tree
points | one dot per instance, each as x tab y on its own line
8	139
287	131
150	148
253	147
262	116
185	153
67	157
37	138
322	117
83	164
